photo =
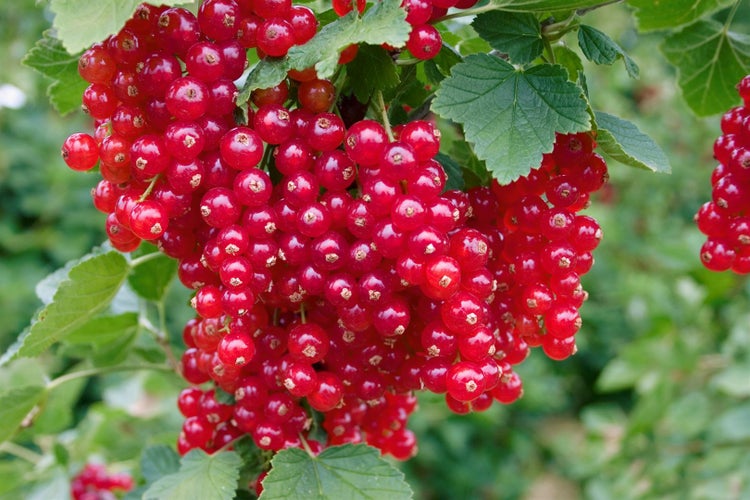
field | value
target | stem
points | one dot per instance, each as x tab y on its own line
144	258
266	160
407	62
306	446
384	114
53	384
21	452
302	315
150	187
162	338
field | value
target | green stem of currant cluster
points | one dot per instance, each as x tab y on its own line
160	334
150	188
380	103
92	372
144	258
21	452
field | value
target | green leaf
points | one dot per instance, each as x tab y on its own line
81	23
601	49
453	172
569	60
511	115
200	476
710	61
384	22
90	286
372	69
159	461
15	404
622	140
439	67
104	329
267	73
517	34
349	471
151	279
49	58
652	15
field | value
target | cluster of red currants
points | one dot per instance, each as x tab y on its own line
333	273
94	483
725	220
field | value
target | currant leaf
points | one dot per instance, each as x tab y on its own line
49	58
200	476
267	73
624	142
601	49
151	279
383	23
158	461
511	115
371	70
90	286
652	16
519	35
81	23
349	471
104	329
710	61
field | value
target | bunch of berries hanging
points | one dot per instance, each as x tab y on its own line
725	220
333	273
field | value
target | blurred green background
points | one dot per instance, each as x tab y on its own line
656	404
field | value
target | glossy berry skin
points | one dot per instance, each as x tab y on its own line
424	42
80	152
275	37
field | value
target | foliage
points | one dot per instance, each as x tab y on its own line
654	405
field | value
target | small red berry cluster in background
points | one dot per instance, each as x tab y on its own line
725	220
333	274
94	483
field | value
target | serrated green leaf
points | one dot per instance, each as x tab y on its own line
91	285
453	172
158	461
710	61
15	404
543	5
601	49
373	69
349	471
200	476
151	278
517	34
384	22
511	115
49	58
652	16
267	73
622	140
81	23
